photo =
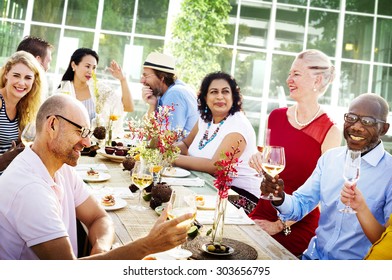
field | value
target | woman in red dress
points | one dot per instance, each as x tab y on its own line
305	131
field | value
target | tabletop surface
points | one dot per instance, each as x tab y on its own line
131	225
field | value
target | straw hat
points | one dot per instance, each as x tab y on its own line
161	62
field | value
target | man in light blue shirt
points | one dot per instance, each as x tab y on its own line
162	88
340	236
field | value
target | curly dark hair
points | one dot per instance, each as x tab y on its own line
235	89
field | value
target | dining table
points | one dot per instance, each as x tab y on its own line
249	240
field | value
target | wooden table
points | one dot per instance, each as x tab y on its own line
131	225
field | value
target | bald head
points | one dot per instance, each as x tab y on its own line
380	104
60	104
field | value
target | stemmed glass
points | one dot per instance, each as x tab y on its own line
182	201
142	178
28	134
273	162
352	166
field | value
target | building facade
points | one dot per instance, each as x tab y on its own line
263	39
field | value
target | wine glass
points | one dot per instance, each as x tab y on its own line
142	178
351	174
182	201
273	162
28	134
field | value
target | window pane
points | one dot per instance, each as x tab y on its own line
382	82
280	69
118	15
10	36
326	4
353	82
296	2
54	16
383	49
254	22
152	17
357	41
13	9
363	6
82	13
322	31
384	7
290	29
140	50
224	59
249	72
114	47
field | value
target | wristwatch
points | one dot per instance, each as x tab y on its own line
286	229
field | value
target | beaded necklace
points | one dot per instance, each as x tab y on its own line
307	123
205	140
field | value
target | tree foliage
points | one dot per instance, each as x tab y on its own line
197	30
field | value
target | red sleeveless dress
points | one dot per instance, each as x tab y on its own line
302	150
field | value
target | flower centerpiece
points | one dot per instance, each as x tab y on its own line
227	169
156	140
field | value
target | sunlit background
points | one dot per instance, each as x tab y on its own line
264	37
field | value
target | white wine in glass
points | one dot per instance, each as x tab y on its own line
273	162
182	201
351	170
28	134
142	177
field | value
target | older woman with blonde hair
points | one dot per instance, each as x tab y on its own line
306	132
20	98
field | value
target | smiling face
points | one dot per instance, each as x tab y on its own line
84	70
362	137
301	80
219	98
150	79
20	80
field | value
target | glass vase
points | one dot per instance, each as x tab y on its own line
109	138
219	220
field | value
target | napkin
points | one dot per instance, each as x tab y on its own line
190	182
97	167
233	216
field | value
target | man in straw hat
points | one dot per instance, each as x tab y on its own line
162	88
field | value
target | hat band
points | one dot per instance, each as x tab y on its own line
157	65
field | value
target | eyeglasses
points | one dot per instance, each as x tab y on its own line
85	132
144	76
367	121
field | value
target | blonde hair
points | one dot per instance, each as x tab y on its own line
28	106
319	64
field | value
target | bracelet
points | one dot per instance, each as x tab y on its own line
185	144
286	229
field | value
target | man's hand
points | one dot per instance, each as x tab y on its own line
148	96
166	235
273	185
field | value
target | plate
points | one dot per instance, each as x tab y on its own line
111	157
102	177
159	210
120	203
209	203
204	248
176	172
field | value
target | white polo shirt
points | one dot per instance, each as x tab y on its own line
32	211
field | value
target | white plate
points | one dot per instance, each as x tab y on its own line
120	203
209	203
112	157
204	248
102	177
176	172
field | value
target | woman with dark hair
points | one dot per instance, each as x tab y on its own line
79	80
221	125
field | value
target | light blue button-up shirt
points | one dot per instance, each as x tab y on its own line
340	236
185	113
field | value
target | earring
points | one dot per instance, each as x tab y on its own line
206	110
314	89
